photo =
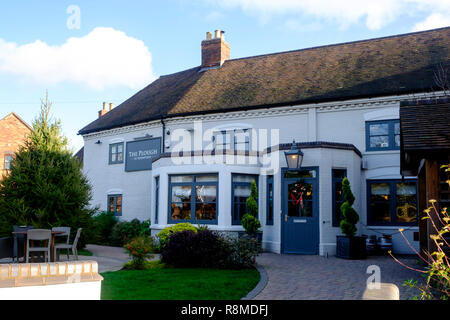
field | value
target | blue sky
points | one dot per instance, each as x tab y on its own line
121	46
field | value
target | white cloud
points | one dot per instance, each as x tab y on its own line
104	58
435	20
375	13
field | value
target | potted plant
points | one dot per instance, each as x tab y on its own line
349	246
250	221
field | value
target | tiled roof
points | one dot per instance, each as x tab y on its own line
425	125
377	67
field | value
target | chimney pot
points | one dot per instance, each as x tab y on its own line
217	34
111	106
208	35
104	105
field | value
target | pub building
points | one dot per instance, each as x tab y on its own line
187	147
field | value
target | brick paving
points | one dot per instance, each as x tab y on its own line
298	277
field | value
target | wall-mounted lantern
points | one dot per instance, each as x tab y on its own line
294	157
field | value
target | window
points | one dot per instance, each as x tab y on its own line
383	135
269	220
115	204
238	140
242	140
116	153
193	198
392	202
156	199
338	196
8	160
241	187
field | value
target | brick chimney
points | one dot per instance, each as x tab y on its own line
215	51
105	109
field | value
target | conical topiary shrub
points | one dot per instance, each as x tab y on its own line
351	217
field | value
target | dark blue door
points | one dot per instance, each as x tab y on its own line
300	216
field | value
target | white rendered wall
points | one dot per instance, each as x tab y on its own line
342	122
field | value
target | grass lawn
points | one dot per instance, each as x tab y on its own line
85	252
178	284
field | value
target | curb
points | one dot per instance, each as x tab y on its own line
261	284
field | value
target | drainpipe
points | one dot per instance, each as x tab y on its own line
163	135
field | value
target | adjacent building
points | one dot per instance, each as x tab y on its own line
13	132
187	147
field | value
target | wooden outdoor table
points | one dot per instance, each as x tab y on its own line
52	245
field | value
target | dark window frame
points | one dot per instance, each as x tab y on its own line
193	183
233	135
115	196
391	135
237	221
392	202
270	200
335	220
111	162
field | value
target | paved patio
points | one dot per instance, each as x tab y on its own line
297	277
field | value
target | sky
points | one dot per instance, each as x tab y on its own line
85	52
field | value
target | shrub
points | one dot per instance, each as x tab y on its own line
350	216
250	223
250	220
191	249
124	231
208	249
140	249
242	252
164	235
104	223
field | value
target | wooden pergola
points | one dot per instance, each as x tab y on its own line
425	147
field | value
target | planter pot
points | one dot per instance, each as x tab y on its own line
351	247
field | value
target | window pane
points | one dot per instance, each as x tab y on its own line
120	148
406	212
114	149
181	194
241	193
406	192
8	161
209	178
306	209
113	157
397	128
379	129
300	174
240	209
339	173
205	211
380	211
111	204
379	142
380	191
338	193
293	209
181	211
397	140
181	178
243	178
206	193
119	204
120	157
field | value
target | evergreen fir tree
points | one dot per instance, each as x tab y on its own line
351	217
